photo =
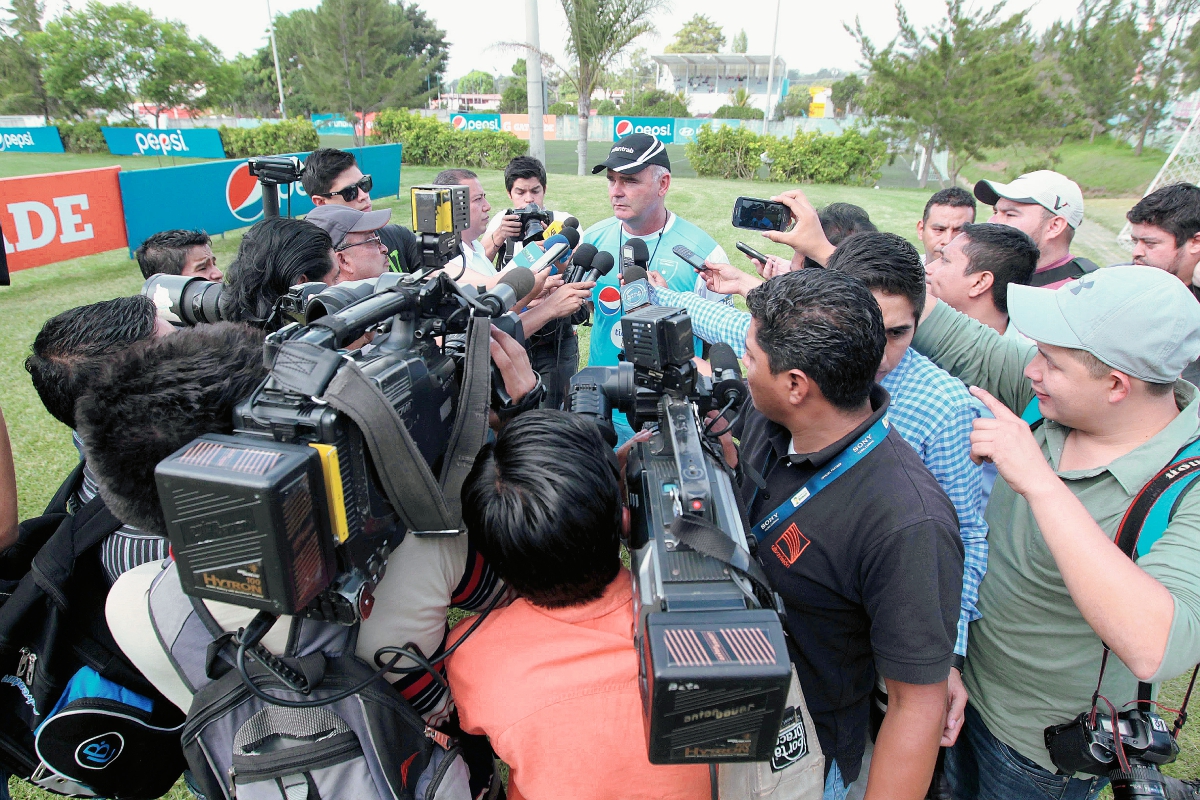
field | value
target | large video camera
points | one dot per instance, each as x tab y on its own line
713	665
440	213
273	172
338	455
1087	744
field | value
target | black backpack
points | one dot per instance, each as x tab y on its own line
76	717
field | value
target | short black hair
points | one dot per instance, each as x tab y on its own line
524	167
274	255
824	323
322	167
839	221
72	347
454	177
157	397
1009	254
955	197
543	506
1174	208
165	252
883	261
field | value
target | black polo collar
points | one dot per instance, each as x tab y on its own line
781	438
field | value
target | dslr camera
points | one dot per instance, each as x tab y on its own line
338	454
712	663
534	221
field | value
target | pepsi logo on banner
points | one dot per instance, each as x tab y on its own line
30	140
662	128
191	143
476	122
610	300
459	122
243	194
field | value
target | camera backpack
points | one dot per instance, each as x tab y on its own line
76	717
367	745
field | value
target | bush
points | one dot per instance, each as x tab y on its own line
429	142
82	137
848	159
606	108
270	138
562	110
657	103
739	112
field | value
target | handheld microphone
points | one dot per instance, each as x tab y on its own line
552	254
600	266
569	236
581	262
635	293
571	222
514	284
634	253
728	388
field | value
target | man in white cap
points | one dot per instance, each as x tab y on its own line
357	246
1048	207
1105	371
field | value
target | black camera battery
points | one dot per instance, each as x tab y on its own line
655	338
719	685
248	521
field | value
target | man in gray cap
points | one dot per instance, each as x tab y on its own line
1105	372
357	247
1048	206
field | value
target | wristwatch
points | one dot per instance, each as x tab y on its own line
532	399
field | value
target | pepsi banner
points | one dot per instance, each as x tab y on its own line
222	195
191	143
30	140
476	122
686	129
662	128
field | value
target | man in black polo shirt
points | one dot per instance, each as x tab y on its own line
870	564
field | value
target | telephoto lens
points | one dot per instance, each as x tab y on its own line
185	300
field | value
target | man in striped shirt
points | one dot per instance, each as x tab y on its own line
68	353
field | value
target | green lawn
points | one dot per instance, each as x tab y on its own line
1104	168
43	448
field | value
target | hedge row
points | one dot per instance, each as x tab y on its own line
429	142
849	159
270	138
85	136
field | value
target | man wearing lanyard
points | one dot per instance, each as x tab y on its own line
853	531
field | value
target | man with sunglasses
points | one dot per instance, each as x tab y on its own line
357	245
332	178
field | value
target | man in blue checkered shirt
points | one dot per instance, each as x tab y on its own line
932	411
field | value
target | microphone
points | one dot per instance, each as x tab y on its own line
635	253
600	266
515	283
728	388
635	293
553	253
556	227
581	262
569	237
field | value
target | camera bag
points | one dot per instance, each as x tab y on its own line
76	717
371	744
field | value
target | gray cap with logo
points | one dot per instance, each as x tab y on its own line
338	220
1138	320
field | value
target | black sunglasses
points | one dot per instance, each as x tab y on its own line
350	193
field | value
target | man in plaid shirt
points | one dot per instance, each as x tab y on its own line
932	411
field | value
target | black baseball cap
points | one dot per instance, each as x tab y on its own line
634	153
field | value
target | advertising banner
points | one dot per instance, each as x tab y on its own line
476	122
662	128
30	140
518	125
222	195
686	129
49	218
190	143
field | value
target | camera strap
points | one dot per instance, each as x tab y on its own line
471	424
707	539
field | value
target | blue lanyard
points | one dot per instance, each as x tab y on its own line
842	464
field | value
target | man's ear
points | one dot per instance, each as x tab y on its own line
981	284
664	185
317	200
1057	226
920	228
1192	245
1120	386
799	385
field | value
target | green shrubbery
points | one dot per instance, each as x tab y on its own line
82	137
738	112
561	109
270	138
850	159
429	142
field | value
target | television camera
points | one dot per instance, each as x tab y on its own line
713	665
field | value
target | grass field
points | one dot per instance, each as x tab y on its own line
42	447
1104	168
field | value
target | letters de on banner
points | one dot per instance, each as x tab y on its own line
63	215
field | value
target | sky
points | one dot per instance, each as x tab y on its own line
811	35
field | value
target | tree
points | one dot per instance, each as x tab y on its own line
362	55
186	73
22	90
477	82
658	103
739	98
966	84
845	94
1157	78
740	44
515	97
597	32
1100	52
795	104
698	35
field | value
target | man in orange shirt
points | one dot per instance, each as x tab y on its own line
552	679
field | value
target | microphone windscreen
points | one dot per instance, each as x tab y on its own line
722	358
641	253
583	256
630	274
520	279
571	235
603	263
571	222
